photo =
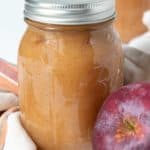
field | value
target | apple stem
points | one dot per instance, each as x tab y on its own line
130	125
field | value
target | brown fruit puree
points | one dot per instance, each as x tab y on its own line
65	74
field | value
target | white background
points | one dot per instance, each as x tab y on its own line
12	27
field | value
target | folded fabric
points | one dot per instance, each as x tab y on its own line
136	65
8	77
142	42
12	135
7	100
137	60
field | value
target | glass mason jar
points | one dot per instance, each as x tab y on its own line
69	62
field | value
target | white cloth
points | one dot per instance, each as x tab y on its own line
146	19
12	135
142	42
16	136
137	55
136	67
7	100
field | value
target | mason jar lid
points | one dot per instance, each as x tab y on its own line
70	12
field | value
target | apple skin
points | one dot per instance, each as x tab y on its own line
123	123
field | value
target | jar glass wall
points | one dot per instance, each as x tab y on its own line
65	74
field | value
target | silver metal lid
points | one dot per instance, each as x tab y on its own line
70	12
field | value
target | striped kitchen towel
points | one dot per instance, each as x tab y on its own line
12	134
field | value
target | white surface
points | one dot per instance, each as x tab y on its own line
12	27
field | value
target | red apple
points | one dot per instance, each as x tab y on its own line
124	120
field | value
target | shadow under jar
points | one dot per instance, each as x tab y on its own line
69	62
